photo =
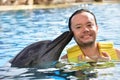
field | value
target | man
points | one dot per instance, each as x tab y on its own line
84	26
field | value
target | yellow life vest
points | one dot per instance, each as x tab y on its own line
75	51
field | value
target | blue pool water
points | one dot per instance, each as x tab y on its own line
23	27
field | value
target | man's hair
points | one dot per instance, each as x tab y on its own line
77	12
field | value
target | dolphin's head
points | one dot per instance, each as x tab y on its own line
55	48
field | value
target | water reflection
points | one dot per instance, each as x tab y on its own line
51	73
66	72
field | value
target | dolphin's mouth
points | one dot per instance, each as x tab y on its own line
63	39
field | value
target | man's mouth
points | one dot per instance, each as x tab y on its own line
86	36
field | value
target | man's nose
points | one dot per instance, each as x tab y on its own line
85	29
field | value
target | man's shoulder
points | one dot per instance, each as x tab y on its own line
106	44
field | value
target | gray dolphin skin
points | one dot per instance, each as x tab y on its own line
42	54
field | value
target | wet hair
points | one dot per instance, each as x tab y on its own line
77	12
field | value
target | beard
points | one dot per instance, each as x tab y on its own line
85	44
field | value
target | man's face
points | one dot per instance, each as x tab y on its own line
84	28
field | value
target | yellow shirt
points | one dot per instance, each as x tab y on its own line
75	51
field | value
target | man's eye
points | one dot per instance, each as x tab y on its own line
78	27
89	25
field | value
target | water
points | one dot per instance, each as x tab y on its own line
23	27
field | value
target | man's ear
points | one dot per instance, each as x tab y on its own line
97	28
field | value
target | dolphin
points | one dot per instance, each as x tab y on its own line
42	54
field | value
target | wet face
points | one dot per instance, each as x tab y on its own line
84	28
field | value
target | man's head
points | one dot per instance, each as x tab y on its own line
84	27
